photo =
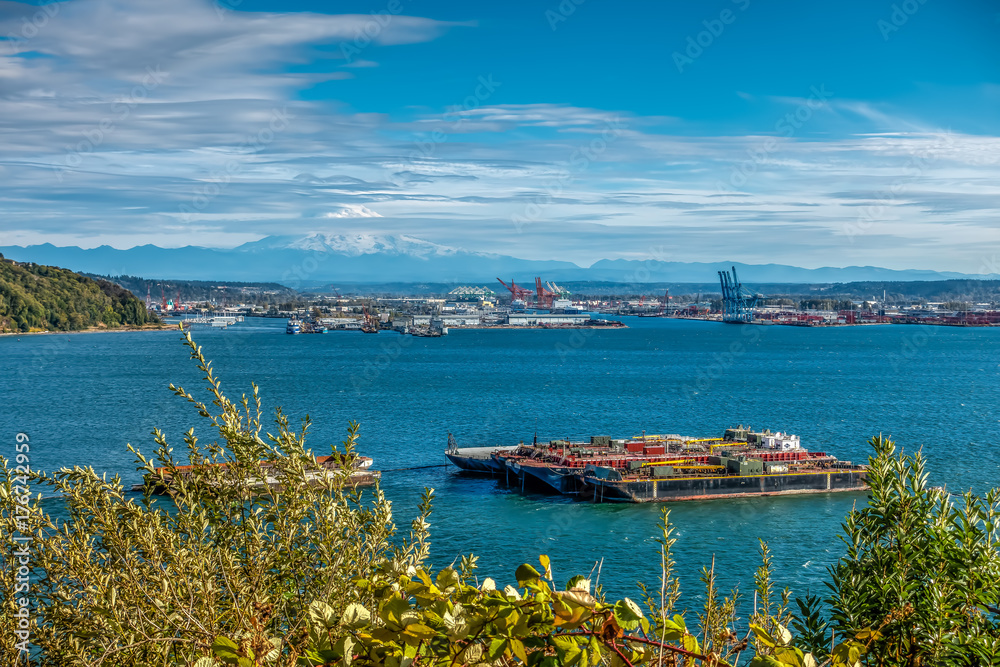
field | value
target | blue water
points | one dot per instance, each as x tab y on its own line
82	397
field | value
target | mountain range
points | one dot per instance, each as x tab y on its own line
319	258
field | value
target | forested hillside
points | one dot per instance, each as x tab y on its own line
34	297
215	291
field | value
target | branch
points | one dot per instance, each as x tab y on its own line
621	655
633	638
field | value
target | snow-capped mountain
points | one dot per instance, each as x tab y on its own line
296	261
354	245
316	258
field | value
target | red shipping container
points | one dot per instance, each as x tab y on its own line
633	447
653	450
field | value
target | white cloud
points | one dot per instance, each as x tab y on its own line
353	211
121	116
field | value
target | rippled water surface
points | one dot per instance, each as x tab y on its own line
82	397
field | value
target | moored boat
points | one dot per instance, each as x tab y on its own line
475	459
162	481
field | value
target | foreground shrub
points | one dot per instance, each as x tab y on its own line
921	577
128	580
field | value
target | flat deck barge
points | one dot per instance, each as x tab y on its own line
662	468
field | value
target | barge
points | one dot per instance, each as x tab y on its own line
661	468
475	459
162	481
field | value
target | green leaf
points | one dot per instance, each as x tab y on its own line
207	661
447	578
421	631
344	647
628	614
226	650
766	661
356	616
393	609
518	649
572	608
763	637
595	652
784	635
567	649
497	648
790	656
526	574
322	614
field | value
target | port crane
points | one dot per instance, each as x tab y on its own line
738	303
665	302
544	297
561	292
516	291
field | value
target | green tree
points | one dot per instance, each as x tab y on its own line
920	581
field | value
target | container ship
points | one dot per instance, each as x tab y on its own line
662	468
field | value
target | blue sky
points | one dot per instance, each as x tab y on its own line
790	132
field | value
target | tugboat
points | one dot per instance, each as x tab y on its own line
293	326
370	324
425	332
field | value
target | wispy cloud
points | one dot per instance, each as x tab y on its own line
115	116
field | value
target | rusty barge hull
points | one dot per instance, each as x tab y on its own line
731	486
544	478
477	459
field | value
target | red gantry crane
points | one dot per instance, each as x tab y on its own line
544	297
516	292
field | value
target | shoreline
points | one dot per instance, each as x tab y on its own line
526	327
159	327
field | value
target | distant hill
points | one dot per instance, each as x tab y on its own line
211	291
34	297
312	260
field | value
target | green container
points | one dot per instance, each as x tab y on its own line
745	466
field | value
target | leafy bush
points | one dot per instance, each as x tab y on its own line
920	581
153	581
